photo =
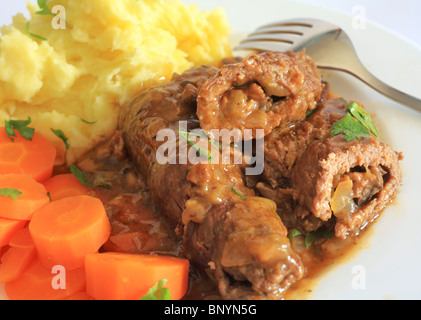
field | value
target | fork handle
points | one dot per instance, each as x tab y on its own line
381	87
346	60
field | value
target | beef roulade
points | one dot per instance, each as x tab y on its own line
213	211
263	91
284	145
317	178
352	181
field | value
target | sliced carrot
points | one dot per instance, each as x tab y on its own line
64	231
40	283
34	196
65	185
21	239
3	250
80	296
14	262
35	157
124	276
8	228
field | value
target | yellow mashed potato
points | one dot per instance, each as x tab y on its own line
108	50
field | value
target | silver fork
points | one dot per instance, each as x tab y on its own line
328	45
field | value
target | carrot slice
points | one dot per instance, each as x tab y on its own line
65	185
124	276
14	262
64	231
33	196
80	296
40	283
35	157
21	239
8	228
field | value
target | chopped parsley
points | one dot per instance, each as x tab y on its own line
185	134
363	117
311	237
42	4
33	34
158	292
88	122
62	136
9	192
20	126
79	174
238	194
293	233
356	124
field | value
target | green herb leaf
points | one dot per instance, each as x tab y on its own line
79	174
363	117
238	194
9	192
158	292
33	34
98	181
350	127
42	4
201	151
293	233
88	122
309	238
20	126
49	195
310	112
62	136
356	124
199	135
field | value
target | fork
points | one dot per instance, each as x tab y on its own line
328	45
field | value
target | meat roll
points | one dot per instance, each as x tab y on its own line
352	181
225	228
263	91
318	179
284	145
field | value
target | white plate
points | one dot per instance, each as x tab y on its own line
388	262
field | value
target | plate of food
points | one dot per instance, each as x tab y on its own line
142	157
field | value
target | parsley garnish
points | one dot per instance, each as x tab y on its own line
62	136
88	122
33	34
356	124
79	174
363	117
20	126
9	192
351	128
309	238
238	194
185	134
293	233
42	4
158	292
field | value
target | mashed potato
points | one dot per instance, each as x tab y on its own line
108	50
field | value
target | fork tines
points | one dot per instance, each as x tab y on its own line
284	35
